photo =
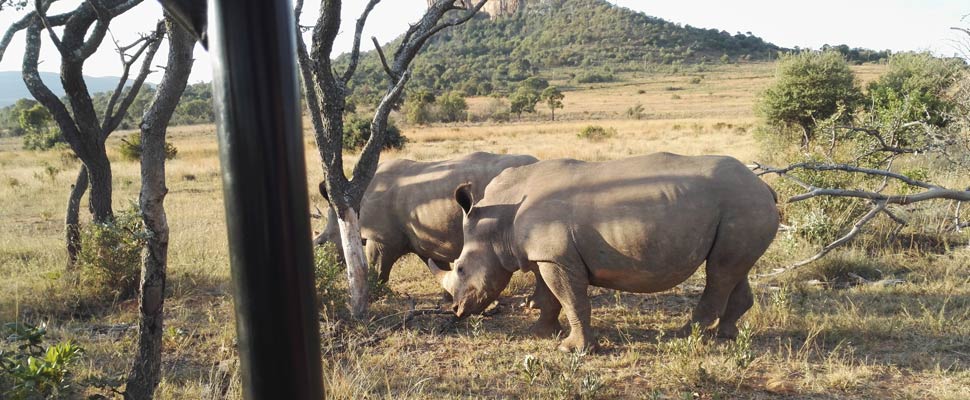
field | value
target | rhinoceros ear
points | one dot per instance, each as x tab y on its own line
464	196
323	191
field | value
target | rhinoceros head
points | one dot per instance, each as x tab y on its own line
478	276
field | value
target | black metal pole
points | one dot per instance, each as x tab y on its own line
267	209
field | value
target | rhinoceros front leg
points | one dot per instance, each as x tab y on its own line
569	286
549	309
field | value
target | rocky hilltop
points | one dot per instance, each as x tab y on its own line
495	8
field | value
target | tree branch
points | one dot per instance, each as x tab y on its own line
380	53
856	229
13	29
126	63
40	7
848	168
150	47
39	89
355	52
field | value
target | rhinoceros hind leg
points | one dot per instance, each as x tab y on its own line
740	301
569	286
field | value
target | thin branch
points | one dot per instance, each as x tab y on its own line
40	7
380	53
846	168
13	29
856	229
378	126
355	52
153	44
126	63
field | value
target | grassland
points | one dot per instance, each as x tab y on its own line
826	338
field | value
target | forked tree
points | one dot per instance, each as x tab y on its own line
326	98
146	369
82	31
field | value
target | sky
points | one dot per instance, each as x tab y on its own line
898	25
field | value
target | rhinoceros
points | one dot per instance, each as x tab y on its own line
409	208
641	224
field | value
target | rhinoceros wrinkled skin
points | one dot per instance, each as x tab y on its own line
409	207
641	224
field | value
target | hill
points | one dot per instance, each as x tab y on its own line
488	53
12	86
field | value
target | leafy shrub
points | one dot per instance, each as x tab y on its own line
130	148
595	77
110	259
809	87
496	110
357	132
596	133
43	140
328	273
452	107
28	370
919	80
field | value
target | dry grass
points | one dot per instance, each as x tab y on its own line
807	341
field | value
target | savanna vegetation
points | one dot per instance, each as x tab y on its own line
884	314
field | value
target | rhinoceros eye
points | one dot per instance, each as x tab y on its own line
460	270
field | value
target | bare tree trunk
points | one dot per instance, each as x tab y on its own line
146	370
72	224
99	175
356	262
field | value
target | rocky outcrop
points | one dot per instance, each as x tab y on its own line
497	8
494	8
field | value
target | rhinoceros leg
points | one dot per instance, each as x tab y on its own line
569	286
383	257
734	252
549	309
740	301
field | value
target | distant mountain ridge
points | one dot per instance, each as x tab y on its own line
527	37
12	86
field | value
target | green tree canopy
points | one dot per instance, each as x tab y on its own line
809	87
524	100
553	98
452	107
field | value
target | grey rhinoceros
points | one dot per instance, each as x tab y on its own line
409	207
641	224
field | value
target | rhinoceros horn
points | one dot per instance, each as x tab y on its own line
441	275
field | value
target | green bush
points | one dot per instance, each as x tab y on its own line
809	87
596	133
452	107
110	258
919	82
43	140
130	148
357	132
328	273
595	77
28	370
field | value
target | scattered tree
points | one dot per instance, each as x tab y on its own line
524	100
452	107
320	79
84	129
553	98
